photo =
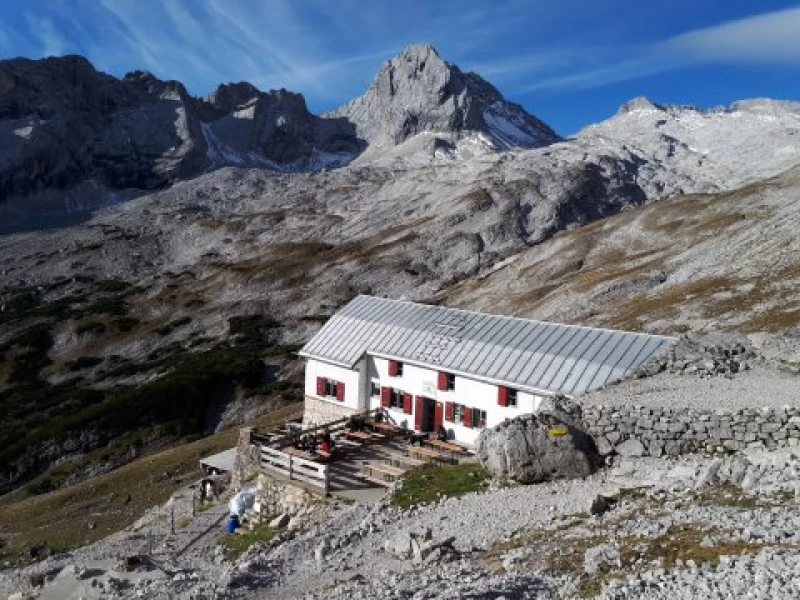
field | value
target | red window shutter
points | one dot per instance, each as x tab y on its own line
418	413
407	403
467	417
502	395
392	368
320	386
449	411
340	391
385	392
443	381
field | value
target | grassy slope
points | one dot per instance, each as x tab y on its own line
727	260
61	518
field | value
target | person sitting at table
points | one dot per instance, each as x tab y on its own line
379	417
441	434
355	423
326	441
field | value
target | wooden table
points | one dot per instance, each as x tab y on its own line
388	472
440	445
359	436
428	454
387	428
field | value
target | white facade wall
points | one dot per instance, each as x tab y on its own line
417	381
421	381
353	393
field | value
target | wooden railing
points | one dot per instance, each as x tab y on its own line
293	467
332	426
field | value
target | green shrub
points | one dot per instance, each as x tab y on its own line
92	327
34	343
173	325
112	285
83	362
251	329
125	324
236	544
428	483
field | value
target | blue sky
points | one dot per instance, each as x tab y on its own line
570	62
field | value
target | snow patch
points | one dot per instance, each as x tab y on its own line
24	132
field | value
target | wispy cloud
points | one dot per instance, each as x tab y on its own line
770	38
51	41
767	39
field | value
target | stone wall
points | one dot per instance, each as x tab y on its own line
246	461
647	431
317	412
275	497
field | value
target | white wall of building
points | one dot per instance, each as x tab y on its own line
417	381
421	381
352	378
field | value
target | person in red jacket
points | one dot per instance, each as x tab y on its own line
326	444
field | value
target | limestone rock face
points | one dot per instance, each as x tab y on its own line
536	448
419	92
70	134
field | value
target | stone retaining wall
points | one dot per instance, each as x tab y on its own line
646	431
316	412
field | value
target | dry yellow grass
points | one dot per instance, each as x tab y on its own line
115	500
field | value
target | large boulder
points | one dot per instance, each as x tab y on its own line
536	448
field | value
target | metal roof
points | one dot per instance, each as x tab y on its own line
548	357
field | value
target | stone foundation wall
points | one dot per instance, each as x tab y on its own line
275	497
246	461
317	412
646	431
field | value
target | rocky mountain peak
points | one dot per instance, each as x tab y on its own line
639	103
417	91
228	96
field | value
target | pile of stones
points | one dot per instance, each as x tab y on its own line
710	355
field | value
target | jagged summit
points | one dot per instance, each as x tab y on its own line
638	103
417	91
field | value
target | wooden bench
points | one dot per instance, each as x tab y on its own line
453	449
386	428
345	443
403	460
388	472
431	455
358	436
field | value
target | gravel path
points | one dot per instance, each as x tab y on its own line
759	387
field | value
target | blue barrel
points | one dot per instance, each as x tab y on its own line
233	524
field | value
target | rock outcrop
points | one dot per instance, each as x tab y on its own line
536	448
418	92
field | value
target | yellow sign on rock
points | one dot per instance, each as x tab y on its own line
557	431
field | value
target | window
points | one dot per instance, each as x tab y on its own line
396	399
511	397
478	418
330	387
451	382
395	368
458	413
376	390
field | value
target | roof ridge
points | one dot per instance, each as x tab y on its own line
499	316
528	353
